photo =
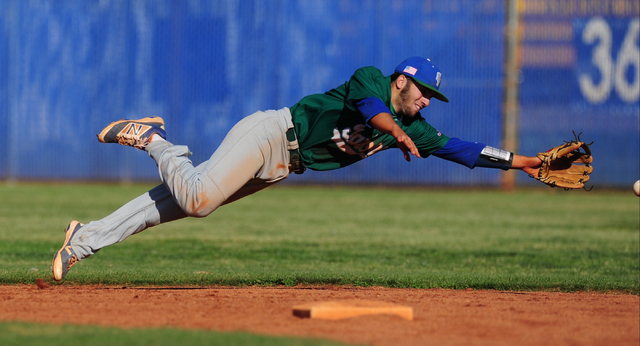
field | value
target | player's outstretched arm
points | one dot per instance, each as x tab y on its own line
528	164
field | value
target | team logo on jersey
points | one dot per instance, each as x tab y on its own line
355	142
438	79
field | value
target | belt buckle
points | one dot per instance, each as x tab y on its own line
296	162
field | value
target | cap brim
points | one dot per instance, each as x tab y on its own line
440	96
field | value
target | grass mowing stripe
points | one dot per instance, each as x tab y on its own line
530	239
21	334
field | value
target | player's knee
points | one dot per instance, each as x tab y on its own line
202	202
198	211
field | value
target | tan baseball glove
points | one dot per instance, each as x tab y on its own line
567	165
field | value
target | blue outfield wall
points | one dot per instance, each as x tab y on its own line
581	72
68	68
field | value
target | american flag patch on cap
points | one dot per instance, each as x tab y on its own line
410	70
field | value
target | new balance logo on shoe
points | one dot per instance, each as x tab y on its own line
134	129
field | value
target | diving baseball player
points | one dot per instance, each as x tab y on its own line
365	115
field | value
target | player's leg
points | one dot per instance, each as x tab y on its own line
150	209
81	241
255	150
197	190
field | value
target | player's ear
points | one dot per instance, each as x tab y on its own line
401	81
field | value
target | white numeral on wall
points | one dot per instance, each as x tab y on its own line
612	73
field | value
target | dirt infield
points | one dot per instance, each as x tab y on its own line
441	317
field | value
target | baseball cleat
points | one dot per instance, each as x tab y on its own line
134	133
65	258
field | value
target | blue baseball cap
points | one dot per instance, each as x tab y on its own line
424	72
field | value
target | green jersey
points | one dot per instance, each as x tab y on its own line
332	133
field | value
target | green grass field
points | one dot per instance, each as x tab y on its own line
527	240
25	334
546	239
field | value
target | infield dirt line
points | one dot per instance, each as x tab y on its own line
442	317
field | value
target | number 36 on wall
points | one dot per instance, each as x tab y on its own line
613	73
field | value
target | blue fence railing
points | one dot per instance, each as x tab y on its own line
68	68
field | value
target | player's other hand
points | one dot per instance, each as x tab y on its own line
405	144
385	123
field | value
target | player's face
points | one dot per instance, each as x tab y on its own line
413	98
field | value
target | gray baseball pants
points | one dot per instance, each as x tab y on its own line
253	155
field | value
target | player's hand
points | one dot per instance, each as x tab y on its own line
528	164
531	171
405	144
385	123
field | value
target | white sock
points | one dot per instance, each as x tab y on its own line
156	137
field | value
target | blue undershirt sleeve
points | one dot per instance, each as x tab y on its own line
370	107
459	151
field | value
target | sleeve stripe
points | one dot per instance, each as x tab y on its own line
370	107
